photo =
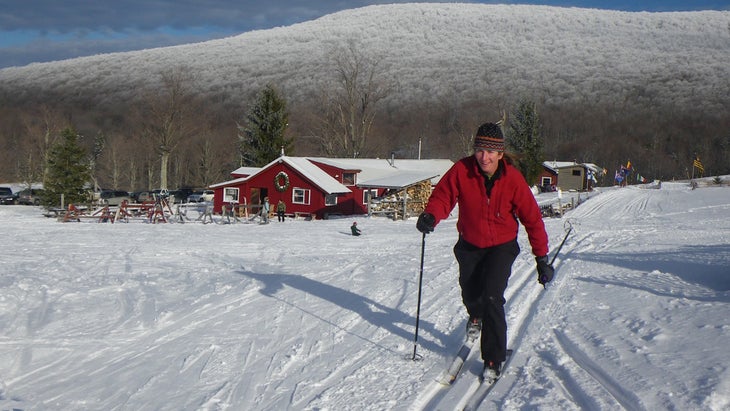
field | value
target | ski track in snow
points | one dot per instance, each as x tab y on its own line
624	397
297	316
562	359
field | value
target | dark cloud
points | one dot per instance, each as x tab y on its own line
44	50
75	28
70	15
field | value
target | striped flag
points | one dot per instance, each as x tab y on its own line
698	165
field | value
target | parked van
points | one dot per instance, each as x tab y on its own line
113	197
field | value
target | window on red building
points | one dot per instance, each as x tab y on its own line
367	195
330	199
230	195
300	196
348	179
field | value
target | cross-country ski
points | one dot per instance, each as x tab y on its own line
485	387
452	371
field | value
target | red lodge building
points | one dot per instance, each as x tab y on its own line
319	187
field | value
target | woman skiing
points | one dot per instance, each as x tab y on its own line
492	196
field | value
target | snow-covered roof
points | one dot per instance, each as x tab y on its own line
555	165
372	172
246	171
229	182
397	173
305	167
594	168
314	174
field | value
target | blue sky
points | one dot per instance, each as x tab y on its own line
48	30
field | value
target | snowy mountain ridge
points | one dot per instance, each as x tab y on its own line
434	52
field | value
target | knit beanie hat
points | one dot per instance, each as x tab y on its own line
489	137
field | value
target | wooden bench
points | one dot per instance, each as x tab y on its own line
302	215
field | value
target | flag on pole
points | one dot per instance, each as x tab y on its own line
698	165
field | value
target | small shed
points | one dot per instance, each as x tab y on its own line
567	175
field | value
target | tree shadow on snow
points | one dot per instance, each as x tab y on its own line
394	321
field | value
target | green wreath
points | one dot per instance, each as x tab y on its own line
277	182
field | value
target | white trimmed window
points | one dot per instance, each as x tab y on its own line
348	179
300	195
230	195
330	199
367	195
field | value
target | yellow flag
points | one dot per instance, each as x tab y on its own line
698	165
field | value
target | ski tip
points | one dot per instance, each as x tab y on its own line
446	379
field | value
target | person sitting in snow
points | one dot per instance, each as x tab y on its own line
354	229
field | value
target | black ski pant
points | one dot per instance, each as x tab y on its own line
483	277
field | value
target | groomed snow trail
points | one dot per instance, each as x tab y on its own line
300	316
579	345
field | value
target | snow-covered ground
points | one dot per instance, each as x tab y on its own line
300	315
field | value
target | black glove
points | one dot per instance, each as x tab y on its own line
545	271
425	223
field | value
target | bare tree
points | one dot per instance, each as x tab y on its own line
170	116
461	118
115	167
350	105
207	162
42	129
99	143
133	173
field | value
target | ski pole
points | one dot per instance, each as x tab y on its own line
418	310
567	233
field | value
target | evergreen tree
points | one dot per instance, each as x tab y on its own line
68	171
262	138
524	138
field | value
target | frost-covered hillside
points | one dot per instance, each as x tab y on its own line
301	315
434	52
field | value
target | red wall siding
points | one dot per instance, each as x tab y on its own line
347	203
547	173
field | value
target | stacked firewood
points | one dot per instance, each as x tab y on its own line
391	203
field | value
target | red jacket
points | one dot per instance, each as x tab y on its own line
486	222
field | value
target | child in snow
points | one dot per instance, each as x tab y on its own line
354	229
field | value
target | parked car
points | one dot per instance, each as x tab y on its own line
200	196
174	197
113	197
30	196
180	195
140	197
152	196
7	196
